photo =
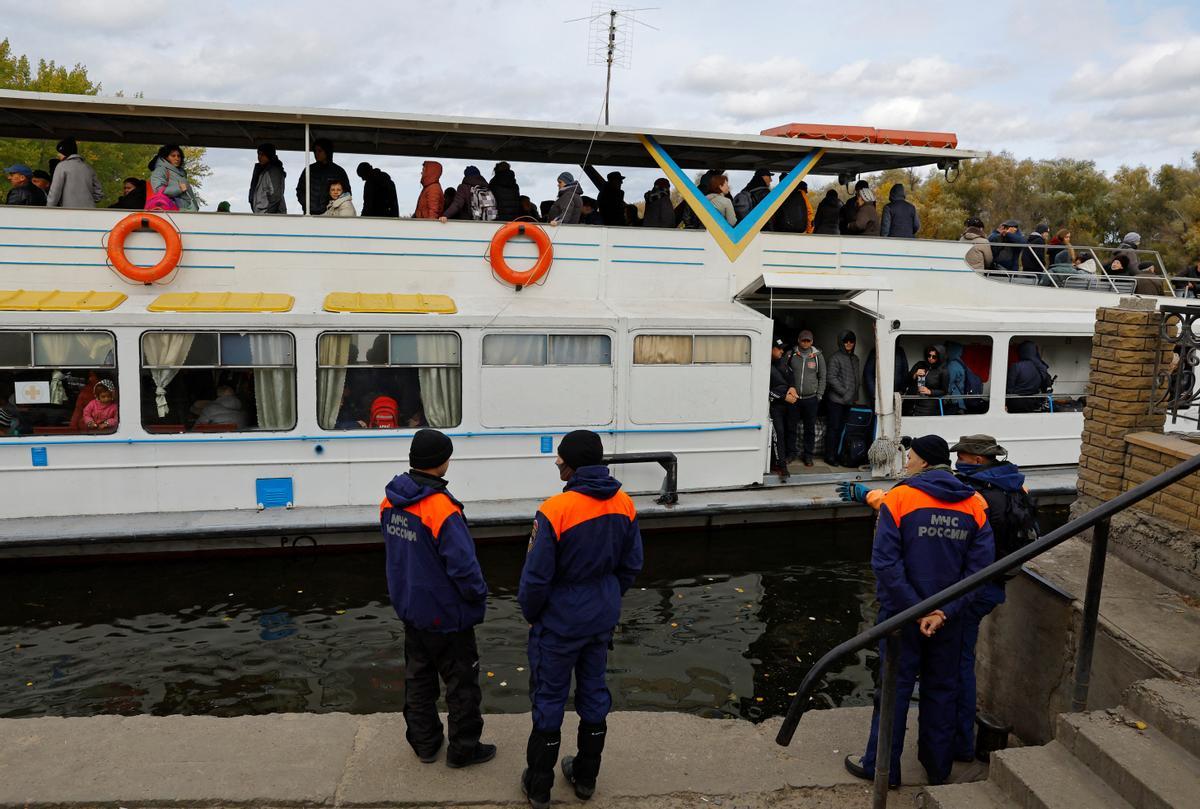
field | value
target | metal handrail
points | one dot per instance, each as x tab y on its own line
1040	250
669	493
1098	517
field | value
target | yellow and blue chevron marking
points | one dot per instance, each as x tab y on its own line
733	239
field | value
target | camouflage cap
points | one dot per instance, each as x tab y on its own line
979	444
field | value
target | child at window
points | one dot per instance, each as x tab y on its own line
101	412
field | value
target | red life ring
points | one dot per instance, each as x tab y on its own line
539	268
140	221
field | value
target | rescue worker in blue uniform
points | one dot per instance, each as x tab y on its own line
1012	515
932	531
438	591
584	553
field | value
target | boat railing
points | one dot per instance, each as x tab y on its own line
888	630
1097	277
669	493
1047	402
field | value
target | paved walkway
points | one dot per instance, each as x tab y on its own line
286	760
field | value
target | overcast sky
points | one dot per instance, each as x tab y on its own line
1114	82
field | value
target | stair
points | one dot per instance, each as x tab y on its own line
1144	755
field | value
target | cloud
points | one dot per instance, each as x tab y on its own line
1152	69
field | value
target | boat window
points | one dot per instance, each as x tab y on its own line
939	374
380	380
48	380
547	349
1047	373
687	349
218	382
721	349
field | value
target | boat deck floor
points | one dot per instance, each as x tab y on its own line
808	495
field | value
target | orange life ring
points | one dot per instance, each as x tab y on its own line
539	268
134	272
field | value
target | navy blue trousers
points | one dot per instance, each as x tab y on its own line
553	659
936	662
987	599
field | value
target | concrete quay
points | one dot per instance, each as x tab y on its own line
341	760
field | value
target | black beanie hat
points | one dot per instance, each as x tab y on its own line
933	449
430	449
67	147
580	448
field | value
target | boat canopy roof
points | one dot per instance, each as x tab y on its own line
114	119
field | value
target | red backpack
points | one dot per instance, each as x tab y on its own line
385	414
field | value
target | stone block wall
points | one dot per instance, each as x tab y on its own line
1126	347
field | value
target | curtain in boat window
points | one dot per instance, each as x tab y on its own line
333	351
60	350
580	349
168	349
726	349
514	349
662	349
441	388
274	391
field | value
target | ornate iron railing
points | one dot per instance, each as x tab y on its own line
1175	392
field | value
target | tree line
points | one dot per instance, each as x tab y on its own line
1162	205
112	162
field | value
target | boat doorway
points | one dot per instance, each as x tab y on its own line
846	417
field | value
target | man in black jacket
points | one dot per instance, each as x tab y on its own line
782	396
611	197
23	191
507	193
324	170
379	192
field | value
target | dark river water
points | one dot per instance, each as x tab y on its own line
721	623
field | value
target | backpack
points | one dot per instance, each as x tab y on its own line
688	219
483	203
1012	515
743	203
972	390
158	201
385	414
855	441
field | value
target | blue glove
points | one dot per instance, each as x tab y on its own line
852	492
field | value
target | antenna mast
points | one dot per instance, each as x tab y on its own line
610	40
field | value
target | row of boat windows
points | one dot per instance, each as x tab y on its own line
235	381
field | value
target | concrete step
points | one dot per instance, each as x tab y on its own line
1134	758
979	795
1050	777
1171	707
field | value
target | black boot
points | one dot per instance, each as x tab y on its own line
581	770
540	755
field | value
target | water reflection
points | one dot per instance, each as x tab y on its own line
720	624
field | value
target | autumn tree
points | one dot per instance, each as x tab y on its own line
112	162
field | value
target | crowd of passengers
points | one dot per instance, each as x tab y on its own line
70	182
806	385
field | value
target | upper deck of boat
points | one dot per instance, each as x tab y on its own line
114	119
308	256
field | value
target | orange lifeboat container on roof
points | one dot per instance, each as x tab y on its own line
847	134
910	137
865	134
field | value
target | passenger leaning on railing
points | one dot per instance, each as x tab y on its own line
1028	378
1008	233
979	257
23	191
932	532
918	398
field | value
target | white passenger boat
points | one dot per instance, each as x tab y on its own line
656	338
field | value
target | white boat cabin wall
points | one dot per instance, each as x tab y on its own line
656	338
